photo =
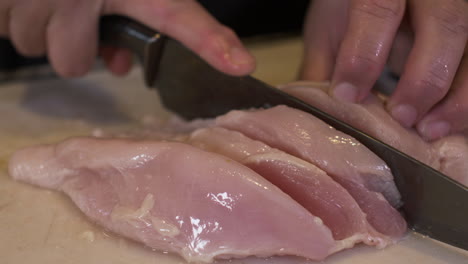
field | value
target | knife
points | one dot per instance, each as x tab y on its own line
434	205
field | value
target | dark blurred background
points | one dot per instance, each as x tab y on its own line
247	17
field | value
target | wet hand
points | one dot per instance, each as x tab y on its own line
66	31
350	42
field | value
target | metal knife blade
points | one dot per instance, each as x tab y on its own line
434	205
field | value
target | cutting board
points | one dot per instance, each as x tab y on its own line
41	226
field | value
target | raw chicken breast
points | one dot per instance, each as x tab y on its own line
307	184
449	155
366	177
370	117
453	153
176	198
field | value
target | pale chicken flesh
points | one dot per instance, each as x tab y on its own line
256	183
365	176
303	181
176	198
449	155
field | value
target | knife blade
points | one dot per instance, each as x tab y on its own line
434	205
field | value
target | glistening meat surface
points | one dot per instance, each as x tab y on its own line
370	117
366	177
449	155
304	182
177	198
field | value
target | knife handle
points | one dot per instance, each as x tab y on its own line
146	43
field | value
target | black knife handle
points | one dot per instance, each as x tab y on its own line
145	42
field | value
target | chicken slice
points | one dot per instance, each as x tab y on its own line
366	177
304	182
370	117
449	155
176	198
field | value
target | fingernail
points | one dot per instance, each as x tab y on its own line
404	114
239	56
434	130
345	92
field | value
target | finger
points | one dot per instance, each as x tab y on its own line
440	38
321	42
5	18
27	27
451	115
401	49
365	47
117	60
188	22
72	37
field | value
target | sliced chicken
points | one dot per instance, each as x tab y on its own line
370	117
366	177
307	184
449	155
176	198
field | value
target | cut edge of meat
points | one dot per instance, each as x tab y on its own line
260	157
249	124
371	238
18	172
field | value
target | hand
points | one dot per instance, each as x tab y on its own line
349	42
66	30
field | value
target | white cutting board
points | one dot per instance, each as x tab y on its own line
40	226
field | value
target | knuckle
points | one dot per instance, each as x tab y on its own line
434	84
381	9
360	63
431	88
451	18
